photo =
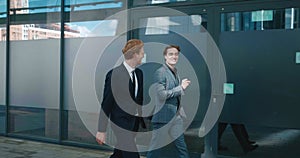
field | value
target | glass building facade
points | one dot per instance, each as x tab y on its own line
38	47
46	45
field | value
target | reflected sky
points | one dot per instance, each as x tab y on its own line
2	6
85	28
55	5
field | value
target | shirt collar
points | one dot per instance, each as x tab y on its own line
174	71
128	68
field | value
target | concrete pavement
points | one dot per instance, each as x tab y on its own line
17	148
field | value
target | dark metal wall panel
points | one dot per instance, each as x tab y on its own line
262	66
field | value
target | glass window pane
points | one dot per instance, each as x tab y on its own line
3	8
2	118
34	70
157	33
38	31
2	65
139	2
34	87
96	32
95	25
82	119
34	6
167	25
261	20
91	28
2	33
2	84
2	71
3	16
76	5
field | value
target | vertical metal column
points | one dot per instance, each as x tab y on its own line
211	139
130	32
61	74
7	68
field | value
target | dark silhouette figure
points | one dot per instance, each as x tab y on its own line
241	134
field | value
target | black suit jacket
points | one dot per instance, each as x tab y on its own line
119	103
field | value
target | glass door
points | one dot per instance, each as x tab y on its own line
186	27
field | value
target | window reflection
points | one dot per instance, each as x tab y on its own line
2	33
53	30
139	2
93	28
34	6
3	22
2	66
165	1
39	31
76	5
2	78
2	9
180	24
44	6
261	20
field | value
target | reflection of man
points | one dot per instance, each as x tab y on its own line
241	134
168	112
123	93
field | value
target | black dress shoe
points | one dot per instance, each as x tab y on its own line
250	148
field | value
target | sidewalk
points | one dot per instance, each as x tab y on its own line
273	143
17	148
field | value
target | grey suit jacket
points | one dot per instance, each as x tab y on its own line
168	93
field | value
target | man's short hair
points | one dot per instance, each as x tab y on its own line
131	47
171	46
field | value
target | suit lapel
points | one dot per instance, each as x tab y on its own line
125	77
175	80
124	71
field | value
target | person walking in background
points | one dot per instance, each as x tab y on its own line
241	134
122	100
168	111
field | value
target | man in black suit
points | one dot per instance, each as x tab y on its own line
122	100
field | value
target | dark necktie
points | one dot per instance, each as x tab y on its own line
133	83
139	110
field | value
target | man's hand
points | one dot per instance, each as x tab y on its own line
185	83
100	137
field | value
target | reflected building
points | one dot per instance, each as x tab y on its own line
34	31
50	31
2	34
19	32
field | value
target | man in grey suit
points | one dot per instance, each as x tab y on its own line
168	115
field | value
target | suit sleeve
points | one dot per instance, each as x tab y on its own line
106	105
163	91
